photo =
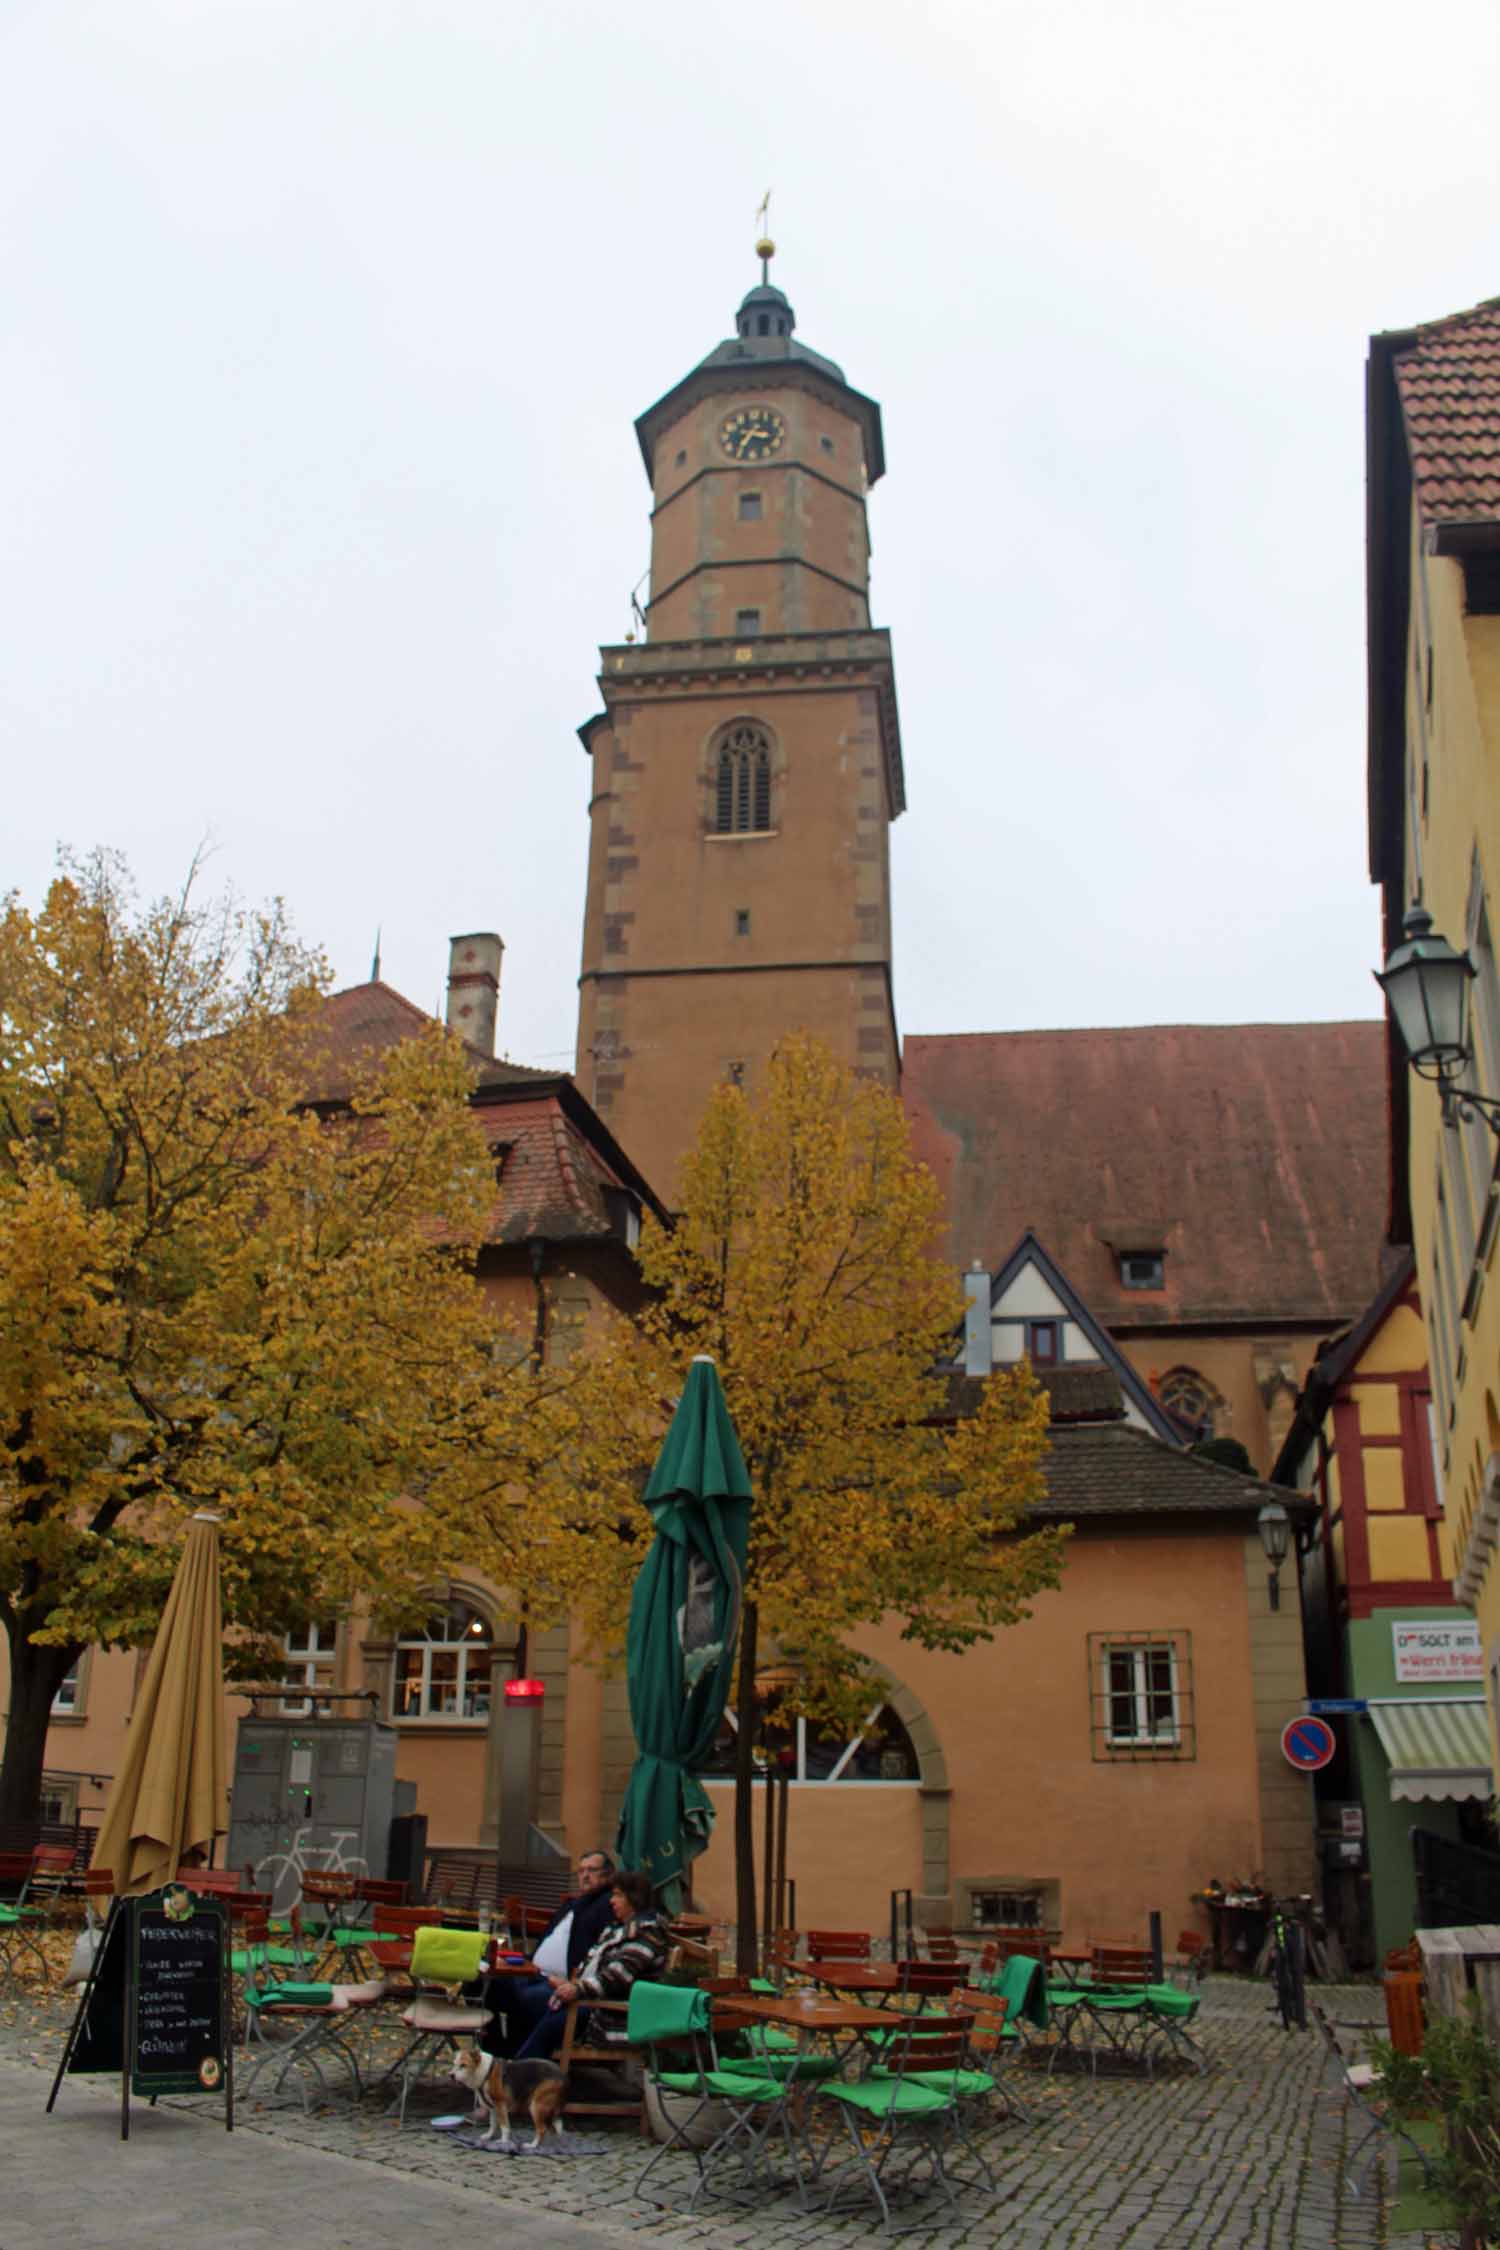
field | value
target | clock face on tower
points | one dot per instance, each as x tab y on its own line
752	433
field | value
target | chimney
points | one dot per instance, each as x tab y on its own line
474	988
979	1354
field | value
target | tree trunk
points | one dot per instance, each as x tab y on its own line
747	1711
36	1674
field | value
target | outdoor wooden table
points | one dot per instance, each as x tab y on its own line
812	2018
852	1976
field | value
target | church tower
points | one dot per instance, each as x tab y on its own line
747	761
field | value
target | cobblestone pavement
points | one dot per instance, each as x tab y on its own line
1249	2156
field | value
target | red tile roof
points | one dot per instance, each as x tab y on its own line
364	1019
554	1179
1254	1155
1449	380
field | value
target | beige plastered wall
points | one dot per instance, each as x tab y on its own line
1460	735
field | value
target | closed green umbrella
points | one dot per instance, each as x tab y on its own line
684	1625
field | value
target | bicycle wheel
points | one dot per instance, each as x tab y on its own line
1283	1979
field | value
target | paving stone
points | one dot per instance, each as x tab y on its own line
1248	2156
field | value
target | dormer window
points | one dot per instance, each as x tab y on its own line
1143	1269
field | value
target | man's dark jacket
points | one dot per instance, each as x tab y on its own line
592	1915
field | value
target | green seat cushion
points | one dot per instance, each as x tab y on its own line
764	1987
802	2070
721	2085
770	2039
292	1996
890	2098
1167	2000
1119	2000
970	2085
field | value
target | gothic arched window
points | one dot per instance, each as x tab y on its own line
742	780
1191	1400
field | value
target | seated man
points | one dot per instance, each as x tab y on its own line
570	1936
636	1946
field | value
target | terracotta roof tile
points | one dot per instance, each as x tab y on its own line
552	1182
1256	1152
1114	1469
364	1019
1449	381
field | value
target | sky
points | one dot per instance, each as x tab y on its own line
323	326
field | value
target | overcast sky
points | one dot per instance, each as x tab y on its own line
323	326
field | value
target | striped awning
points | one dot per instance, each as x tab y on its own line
1437	1748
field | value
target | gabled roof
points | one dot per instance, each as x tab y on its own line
562	1175
1112	1469
1255	1153
363	1020
1448	380
1029	1252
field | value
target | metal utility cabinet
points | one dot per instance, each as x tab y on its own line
314	1792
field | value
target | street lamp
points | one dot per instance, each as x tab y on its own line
1275	1528
1427	986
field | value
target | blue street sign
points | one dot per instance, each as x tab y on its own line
1336	1706
1307	1744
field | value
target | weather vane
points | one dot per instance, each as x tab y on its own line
765	248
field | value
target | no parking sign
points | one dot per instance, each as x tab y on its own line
1307	1744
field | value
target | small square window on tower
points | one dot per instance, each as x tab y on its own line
749	507
742	921
747	621
826	443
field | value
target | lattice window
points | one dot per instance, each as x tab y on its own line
742	781
881	1751
1191	1400
1141	1695
443	1671
308	1651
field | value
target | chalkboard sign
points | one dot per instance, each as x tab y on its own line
177	1981
156	2007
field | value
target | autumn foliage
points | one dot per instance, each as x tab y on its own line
803	1259
213	1291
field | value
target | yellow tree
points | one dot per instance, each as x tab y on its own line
804	1259
215	1289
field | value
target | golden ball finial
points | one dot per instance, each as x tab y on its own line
765	248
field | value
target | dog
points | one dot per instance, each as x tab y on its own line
499	2087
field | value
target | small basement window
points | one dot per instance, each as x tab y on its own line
1143	1269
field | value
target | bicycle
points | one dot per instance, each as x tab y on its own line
300	1859
1287	1968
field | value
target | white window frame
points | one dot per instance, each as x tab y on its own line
1138	1655
313	1657
838	1772
68	1702
468	1639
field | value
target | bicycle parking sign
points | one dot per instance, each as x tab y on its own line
1308	1744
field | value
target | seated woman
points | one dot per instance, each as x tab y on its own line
636	1946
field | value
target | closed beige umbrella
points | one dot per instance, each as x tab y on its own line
168	1797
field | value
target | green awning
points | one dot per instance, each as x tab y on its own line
1437	1748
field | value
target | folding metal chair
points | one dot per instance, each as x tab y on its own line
904	2118
1362	2088
679	2019
21	1924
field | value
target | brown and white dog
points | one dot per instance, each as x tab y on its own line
499	2087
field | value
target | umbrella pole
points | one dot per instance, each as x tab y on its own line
784	1791
768	1894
